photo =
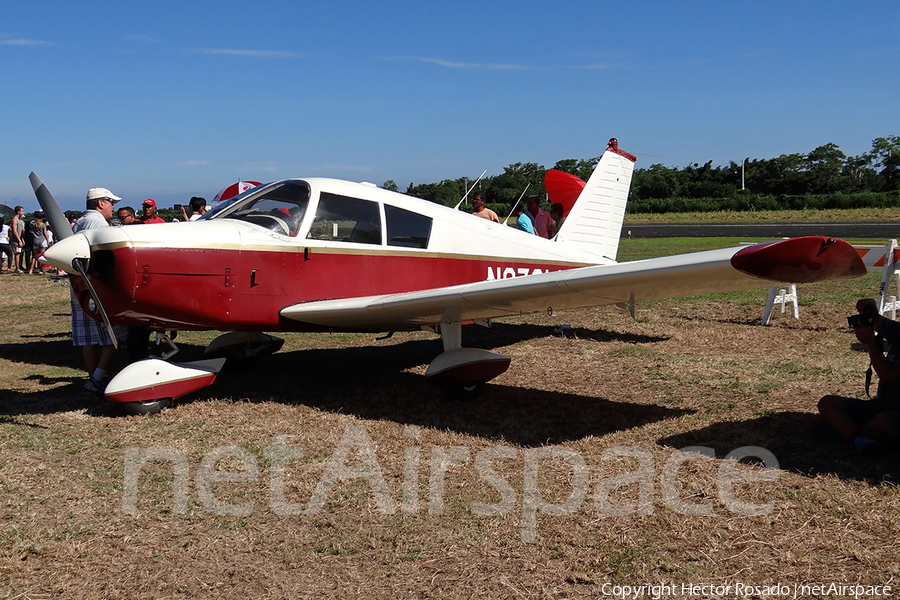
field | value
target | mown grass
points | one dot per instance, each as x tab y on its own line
769	216
637	249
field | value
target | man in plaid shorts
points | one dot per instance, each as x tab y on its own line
96	346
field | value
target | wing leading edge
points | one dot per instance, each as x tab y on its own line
798	260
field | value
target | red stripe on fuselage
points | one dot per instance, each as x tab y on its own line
246	289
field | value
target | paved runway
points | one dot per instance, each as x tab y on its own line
878	231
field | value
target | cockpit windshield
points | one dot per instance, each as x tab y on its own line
279	207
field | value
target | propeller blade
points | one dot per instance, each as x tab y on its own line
79	266
58	221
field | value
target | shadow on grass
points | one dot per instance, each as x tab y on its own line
15	421
372	383
59	352
50	336
779	321
521	416
792	438
62	398
56	348
67	393
503	334
56	352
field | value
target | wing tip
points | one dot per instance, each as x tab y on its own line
800	260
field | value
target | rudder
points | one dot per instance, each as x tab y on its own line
595	221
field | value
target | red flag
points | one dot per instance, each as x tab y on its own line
234	189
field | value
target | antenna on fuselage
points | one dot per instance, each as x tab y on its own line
506	220
469	190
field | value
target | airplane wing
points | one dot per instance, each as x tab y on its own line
797	260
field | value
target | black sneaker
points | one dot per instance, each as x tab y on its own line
94	386
824	432
871	448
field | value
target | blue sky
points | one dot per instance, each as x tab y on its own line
169	99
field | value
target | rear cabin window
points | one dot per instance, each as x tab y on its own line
406	228
345	219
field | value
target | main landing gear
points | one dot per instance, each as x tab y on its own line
146	407
464	371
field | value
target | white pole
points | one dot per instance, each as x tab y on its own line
469	190
506	220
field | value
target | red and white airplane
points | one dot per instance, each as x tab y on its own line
328	255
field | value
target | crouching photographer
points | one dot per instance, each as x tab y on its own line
873	426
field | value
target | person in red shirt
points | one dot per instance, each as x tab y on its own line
540	218
150	215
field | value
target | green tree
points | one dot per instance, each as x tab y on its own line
658	181
824	166
579	167
781	175
445	192
390	185
566	165
886	155
859	175
705	182
508	186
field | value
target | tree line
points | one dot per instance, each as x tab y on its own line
823	178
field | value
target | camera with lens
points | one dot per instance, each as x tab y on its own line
861	320
865	319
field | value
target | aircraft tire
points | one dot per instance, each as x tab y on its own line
146	407
467	392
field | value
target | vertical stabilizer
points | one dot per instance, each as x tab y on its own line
595	222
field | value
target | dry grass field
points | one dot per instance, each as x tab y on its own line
689	372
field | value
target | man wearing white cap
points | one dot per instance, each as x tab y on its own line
99	205
86	332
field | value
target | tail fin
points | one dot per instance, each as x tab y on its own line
595	222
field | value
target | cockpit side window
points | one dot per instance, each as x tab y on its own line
345	219
406	228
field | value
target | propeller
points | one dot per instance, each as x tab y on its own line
61	230
58	221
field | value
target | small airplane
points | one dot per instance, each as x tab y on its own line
321	254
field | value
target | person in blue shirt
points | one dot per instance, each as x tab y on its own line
523	222
872	426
